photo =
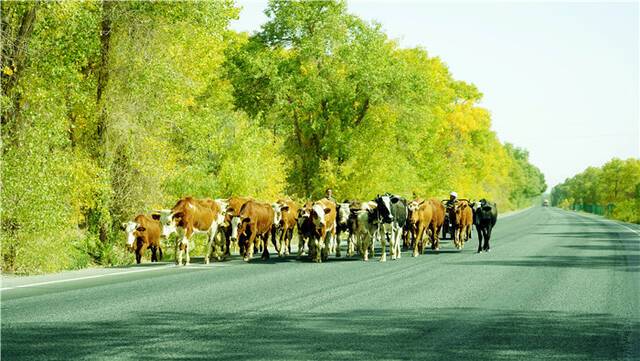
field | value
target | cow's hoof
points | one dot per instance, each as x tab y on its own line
206	261
246	259
415	254
383	259
188	264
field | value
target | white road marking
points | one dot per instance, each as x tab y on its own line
108	274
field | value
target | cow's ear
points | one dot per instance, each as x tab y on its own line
123	226
141	229
394	199
327	210
230	210
178	215
284	208
155	216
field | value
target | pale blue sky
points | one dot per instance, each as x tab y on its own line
560	79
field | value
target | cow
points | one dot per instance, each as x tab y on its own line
257	221
190	216
437	221
420	215
485	216
323	216
306	228
392	211
461	218
232	221
365	227
143	233
288	220
345	224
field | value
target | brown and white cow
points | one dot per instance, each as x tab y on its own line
256	222
461	217
288	221
323	216
143	233
232	221
420	215
306	228
190	216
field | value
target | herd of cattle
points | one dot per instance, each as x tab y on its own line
247	225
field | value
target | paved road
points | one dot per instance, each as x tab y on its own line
557	285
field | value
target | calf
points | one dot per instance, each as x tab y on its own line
420	222
485	216
392	212
257	220
365	228
323	216
288	221
143	233
190	216
232	221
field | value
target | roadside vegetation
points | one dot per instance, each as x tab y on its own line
111	109
612	190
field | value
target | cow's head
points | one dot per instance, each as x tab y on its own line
168	220
277	212
221	216
344	209
318	213
133	231
234	221
384	208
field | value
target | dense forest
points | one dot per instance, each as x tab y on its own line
110	109
612	190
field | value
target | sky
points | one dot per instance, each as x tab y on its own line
560	79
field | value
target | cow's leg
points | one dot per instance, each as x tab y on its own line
187	260
487	237
265	250
398	242
281	239
383	244
154	254
338	244
300	244
138	255
210	247
248	252
479	230
178	252
287	249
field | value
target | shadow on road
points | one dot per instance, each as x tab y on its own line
442	334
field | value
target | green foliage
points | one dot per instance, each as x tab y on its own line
180	105
614	187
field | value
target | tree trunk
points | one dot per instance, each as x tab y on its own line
13	62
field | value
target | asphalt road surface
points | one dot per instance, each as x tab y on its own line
556	285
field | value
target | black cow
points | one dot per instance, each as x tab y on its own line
392	212
485	216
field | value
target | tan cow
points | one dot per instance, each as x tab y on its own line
420	220
323	216
437	221
190	216
461	216
143	233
